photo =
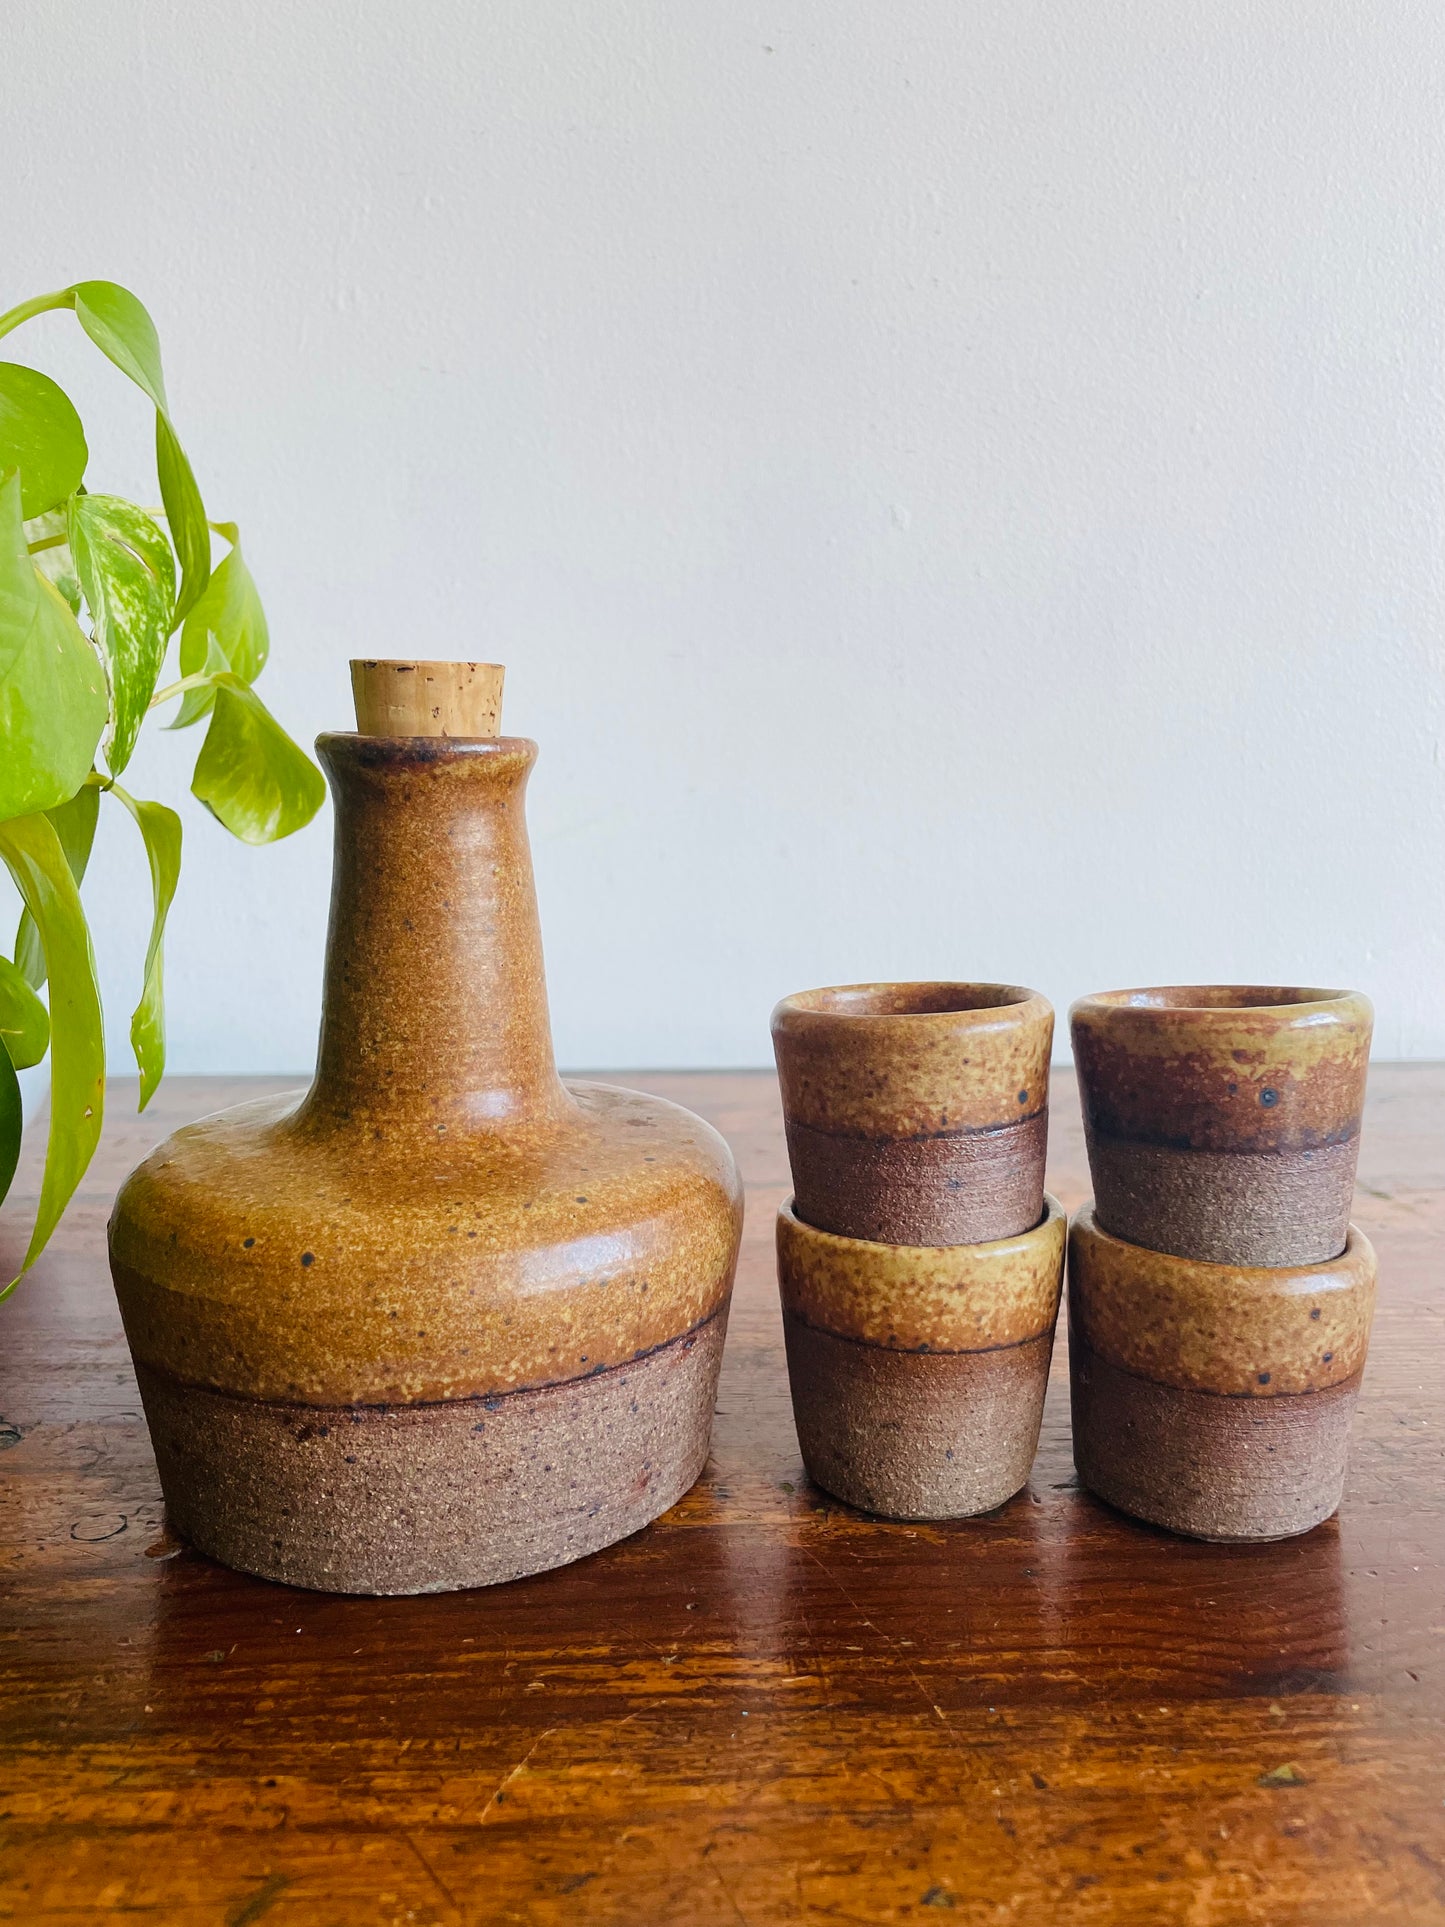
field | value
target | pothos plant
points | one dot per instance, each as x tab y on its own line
92	590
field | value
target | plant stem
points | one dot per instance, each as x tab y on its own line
198	681
49	542
39	304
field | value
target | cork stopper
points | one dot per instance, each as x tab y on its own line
427	698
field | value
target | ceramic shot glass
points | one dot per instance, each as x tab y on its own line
918	1371
916	1114
1215	1399
1223	1120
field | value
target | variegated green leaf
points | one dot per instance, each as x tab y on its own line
122	330
129	578
41	435
24	1020
160	830
185	515
74	823
230	610
120	327
31	851
53	700
249	774
49	539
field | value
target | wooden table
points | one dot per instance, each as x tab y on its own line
765	1708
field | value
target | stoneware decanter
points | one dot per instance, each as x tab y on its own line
442	1319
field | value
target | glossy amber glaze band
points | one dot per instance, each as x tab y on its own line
923	1298
1223	1121
1240	1331
918	1372
916	1113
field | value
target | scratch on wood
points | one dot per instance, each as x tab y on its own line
260	1901
928	1698
507	1778
727	1891
432	1874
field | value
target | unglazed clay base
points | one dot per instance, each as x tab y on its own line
916	1435
435	1497
1206	1465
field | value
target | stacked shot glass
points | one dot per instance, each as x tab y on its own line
919	1259
1219	1298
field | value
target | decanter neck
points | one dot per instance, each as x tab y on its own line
435	1008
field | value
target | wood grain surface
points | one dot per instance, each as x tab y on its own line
764	1708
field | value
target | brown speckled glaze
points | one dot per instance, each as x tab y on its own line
444	1320
918	1372
1215	1399
1223	1121
916	1114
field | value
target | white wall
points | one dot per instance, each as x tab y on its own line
958	487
